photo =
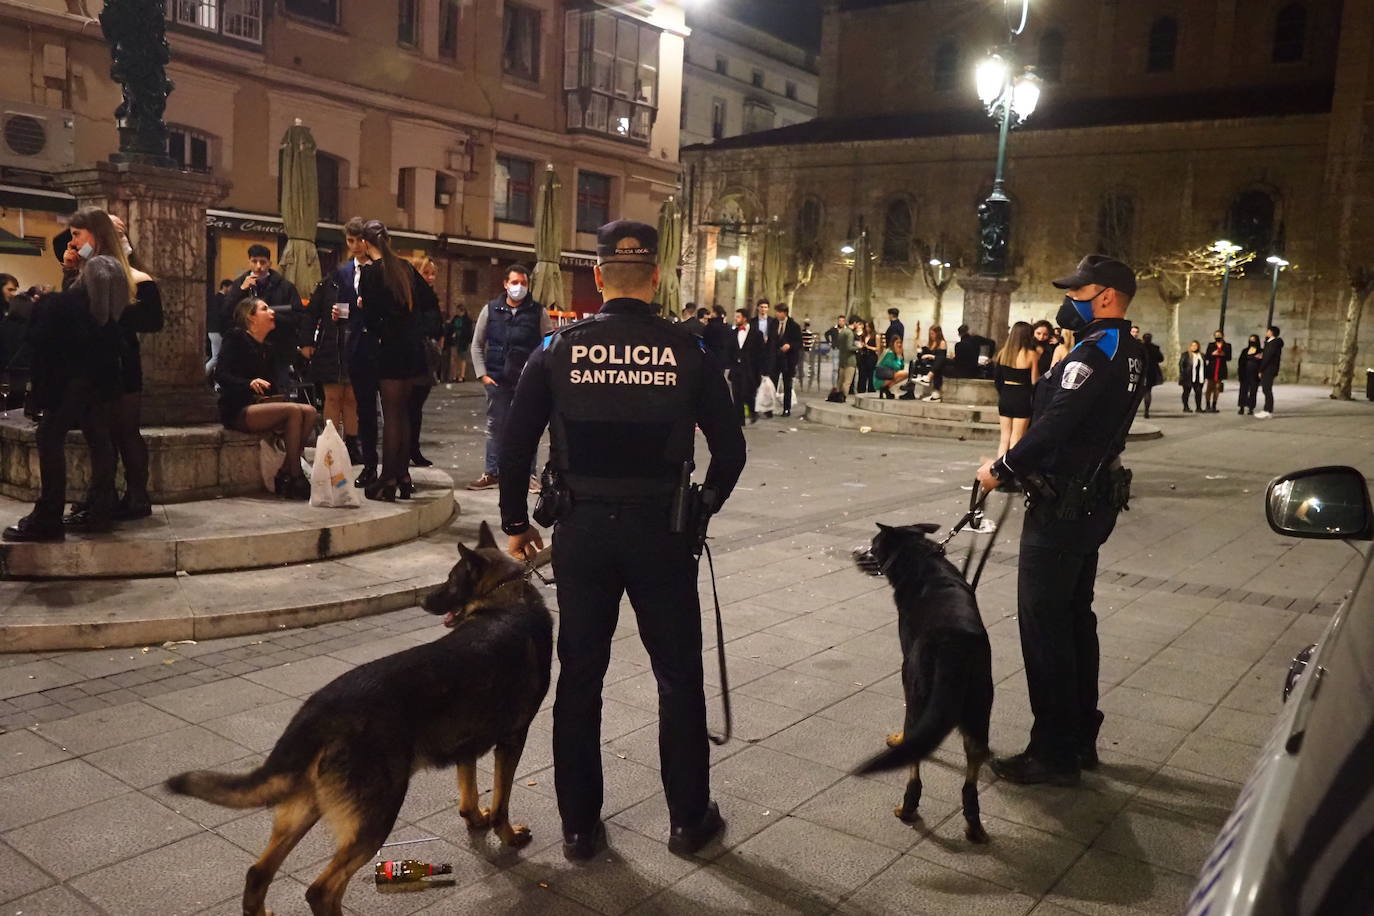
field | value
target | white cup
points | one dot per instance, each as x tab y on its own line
341	311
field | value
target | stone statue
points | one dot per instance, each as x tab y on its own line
136	31
994	230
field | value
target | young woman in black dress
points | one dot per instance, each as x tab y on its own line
1015	371
393	296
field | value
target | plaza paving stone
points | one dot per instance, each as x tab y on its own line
1201	606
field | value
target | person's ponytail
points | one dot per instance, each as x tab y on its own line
395	272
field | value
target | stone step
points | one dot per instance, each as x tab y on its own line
970	426
243	532
53	615
930	410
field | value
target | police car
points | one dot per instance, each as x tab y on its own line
1300	841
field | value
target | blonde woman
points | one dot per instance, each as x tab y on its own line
1015	372
1065	347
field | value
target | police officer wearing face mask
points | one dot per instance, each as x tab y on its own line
1067	463
621	393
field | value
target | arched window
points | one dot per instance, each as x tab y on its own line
329	176
946	66
807	234
1116	225
1163	45
1250	224
1050	65
1290	33
897	233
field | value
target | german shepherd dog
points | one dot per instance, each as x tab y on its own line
946	662
348	754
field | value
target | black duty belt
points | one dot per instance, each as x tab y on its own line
619	489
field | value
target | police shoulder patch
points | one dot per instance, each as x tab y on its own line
1075	374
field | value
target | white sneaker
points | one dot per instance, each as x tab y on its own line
934	396
1261	415
923	380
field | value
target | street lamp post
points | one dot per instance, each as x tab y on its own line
1279	264
1228	251
1009	98
847	250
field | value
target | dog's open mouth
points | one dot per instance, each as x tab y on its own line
450	618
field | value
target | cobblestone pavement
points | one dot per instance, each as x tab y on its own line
1201	607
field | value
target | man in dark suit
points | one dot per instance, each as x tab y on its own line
360	350
1270	359
716	334
787	351
767	326
967	353
746	343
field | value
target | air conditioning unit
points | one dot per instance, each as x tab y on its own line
35	137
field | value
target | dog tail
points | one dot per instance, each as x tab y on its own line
258	789
939	717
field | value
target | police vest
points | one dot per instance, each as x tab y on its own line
625	388
512	335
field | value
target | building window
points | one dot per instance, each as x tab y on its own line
328	178
1250	223
520	42
757	78
405	186
1116	225
722	65
240	19
188	148
514	190
1290	33
717	118
897	233
946	66
326	11
408	23
1163	45
593	201
1050	65
448	28
758	116
445	189
790	90
610	74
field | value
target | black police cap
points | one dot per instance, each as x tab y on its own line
1100	270
627	241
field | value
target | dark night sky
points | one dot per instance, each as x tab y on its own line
797	21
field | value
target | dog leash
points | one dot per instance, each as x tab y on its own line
721	739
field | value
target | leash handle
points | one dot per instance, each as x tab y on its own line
720	740
975	505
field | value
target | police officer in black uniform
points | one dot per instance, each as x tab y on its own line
621	393
1067	463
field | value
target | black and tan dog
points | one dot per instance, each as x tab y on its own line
348	754
946	662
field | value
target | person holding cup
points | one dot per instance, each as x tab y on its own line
325	336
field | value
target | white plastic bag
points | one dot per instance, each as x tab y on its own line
330	485
766	398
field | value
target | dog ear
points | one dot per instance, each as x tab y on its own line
485	539
927	527
468	555
882	527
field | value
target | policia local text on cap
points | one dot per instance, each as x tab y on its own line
622	393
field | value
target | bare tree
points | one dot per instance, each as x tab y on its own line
1174	275
939	278
806	249
1361	285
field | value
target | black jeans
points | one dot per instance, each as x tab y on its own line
785	370
1056	570
601	552
363	373
1267	384
1195	389
1249	388
80	407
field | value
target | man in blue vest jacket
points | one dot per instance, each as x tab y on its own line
508	330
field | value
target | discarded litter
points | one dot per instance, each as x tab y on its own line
865	429
179	642
1216	476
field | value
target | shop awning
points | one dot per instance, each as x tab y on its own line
497	248
13	244
271	225
44	199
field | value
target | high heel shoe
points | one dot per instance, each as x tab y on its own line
281	483
384	490
420	461
405	488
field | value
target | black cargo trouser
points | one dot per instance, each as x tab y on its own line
1056	570
602	551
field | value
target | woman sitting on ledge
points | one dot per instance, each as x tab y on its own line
252	382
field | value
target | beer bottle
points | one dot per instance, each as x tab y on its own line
409	871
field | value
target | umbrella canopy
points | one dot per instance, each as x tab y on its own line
548	277
300	208
774	262
863	278
669	254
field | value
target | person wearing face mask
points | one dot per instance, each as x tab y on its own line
1192	375
1248	370
260	281
621	395
1068	465
509	328
1218	369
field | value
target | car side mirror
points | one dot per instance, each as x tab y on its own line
1327	502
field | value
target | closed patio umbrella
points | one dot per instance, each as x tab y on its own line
548	277
669	253
863	278
300	209
774	261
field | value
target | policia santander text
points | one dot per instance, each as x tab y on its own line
1075	485
622	394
